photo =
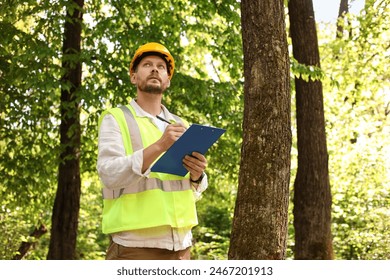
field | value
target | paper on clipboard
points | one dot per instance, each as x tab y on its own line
197	138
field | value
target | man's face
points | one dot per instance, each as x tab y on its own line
151	75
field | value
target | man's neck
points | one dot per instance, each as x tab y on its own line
150	103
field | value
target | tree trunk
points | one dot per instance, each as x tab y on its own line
343	10
312	196
67	201
259	228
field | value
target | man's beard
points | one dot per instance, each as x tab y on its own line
154	89
151	88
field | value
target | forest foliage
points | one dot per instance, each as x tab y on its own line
207	88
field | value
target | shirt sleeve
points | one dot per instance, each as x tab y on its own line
200	188
116	169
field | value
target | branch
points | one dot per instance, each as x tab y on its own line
25	246
121	15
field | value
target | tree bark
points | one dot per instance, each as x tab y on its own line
259	228
312	195
67	201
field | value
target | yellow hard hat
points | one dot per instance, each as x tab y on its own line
153	49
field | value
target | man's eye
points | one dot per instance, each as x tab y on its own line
162	67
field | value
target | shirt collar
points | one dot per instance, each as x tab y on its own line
141	113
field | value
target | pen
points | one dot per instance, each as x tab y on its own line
164	120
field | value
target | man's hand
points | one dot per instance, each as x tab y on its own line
195	163
171	134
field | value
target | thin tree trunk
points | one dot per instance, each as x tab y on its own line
312	196
343	10
67	202
259	228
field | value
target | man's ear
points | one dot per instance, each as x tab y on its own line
169	84
133	79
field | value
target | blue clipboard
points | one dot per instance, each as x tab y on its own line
197	138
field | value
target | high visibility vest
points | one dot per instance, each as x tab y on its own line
162	199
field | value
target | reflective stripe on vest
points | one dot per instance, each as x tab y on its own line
161	199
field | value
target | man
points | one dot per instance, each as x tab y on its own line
149	215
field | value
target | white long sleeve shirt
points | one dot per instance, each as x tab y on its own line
116	170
